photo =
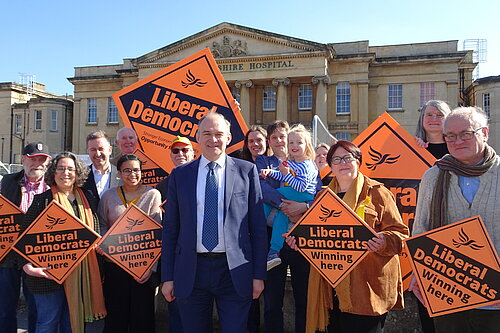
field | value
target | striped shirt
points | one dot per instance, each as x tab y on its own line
303	178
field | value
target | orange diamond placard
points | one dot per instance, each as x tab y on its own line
456	266
172	101
151	173
332	237
11	218
56	239
133	242
391	156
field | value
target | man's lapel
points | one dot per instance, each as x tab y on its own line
230	176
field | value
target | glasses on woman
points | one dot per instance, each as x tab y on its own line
464	136
338	159
128	171
434	115
63	169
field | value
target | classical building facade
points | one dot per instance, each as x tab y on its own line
485	92
32	114
273	76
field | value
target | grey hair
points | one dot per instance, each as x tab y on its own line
217	115
441	106
474	114
124	129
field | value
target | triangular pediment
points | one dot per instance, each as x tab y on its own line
227	40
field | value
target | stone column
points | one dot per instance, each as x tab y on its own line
321	97
244	87
281	97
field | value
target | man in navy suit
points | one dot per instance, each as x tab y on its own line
103	175
214	235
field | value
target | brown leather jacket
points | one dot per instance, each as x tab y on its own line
376	286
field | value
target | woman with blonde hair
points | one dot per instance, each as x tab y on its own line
301	175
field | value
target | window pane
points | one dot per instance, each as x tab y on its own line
53	120
38	120
18	123
269	98
486	104
112	111
305	97
395	96
92	111
426	92
343	97
343	136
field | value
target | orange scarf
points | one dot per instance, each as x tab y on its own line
83	286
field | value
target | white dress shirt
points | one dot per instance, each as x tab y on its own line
220	174
101	180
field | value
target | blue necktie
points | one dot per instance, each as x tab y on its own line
210	235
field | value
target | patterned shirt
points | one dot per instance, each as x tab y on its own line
303	178
29	190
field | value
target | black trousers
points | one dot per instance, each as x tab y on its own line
130	304
274	291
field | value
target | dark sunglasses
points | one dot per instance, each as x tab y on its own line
185	150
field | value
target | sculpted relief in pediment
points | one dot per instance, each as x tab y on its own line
229	48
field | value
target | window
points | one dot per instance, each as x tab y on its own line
395	96
486	104
53	120
343	98
426	92
236	94
92	111
18	124
343	136
38	120
112	111
269	99
305	97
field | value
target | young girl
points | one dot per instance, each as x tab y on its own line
300	176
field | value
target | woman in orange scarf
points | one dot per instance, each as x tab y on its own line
374	286
64	308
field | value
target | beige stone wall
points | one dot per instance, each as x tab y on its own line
493	89
285	62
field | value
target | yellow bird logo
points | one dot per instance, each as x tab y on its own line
191	80
327	213
53	221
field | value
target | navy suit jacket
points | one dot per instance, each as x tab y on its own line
244	227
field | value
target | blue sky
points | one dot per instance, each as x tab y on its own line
49	38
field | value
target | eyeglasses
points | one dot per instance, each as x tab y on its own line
185	150
128	171
63	169
347	159
464	136
434	115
